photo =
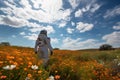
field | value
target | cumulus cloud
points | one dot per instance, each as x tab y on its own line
83	27
32	36
61	35
76	44
112	12
74	3
90	6
78	13
95	7
113	38
13	36
117	26
49	11
45	11
12	21
49	29
54	40
72	23
25	4
62	24
18	23
70	30
22	33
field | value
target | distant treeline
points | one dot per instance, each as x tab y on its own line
101	48
4	44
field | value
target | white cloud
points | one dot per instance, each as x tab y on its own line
91	6
73	24
32	25
13	36
36	3
69	43
113	38
12	21
83	27
16	22
74	3
62	24
11	1
70	30
22	33
117	26
95	7
78	13
76	44
25	4
112	12
51	11
47	11
61	35
49	29
54	40
32	36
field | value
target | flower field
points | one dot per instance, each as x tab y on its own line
21	63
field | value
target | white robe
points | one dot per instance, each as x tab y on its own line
43	50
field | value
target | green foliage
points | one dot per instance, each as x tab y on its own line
105	47
4	44
84	57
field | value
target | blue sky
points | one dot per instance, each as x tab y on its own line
71	24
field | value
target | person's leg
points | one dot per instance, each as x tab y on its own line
45	57
40	56
45	62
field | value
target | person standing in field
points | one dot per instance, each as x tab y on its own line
43	47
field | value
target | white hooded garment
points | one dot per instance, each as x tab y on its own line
42	46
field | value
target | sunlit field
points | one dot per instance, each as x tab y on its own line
20	63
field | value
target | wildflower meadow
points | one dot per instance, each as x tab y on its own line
21	63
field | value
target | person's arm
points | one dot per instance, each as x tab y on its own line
49	45
51	51
36	45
